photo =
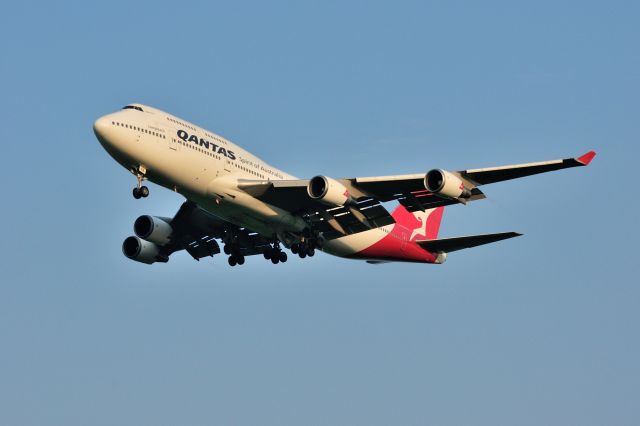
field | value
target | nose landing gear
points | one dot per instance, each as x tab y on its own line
140	191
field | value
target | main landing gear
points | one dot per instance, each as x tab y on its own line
306	246
303	250
236	259
140	191
231	248
275	254
273	251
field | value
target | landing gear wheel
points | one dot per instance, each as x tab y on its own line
275	260
240	260
283	257
302	255
144	191
294	248
227	249
311	251
136	193
232	261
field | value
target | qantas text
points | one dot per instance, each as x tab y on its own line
206	144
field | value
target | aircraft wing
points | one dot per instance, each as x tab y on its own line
410	190
366	193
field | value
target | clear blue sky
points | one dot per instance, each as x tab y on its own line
542	329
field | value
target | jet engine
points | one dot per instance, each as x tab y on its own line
135	248
446	184
328	191
153	229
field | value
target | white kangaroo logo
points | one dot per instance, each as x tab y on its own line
422	216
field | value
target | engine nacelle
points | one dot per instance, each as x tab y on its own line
135	248
446	184
328	191
153	229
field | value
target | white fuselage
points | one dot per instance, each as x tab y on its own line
205	168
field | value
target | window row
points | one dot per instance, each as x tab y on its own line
253	172
182	124
214	137
139	129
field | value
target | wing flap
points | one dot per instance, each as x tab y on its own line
448	245
202	247
423	200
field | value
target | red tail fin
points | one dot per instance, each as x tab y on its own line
421	225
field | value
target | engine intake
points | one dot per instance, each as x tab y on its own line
328	191
135	248
446	184
153	229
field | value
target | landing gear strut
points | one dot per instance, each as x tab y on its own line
231	247
140	191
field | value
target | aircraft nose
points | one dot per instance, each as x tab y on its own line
100	127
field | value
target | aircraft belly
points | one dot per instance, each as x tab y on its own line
248	212
379	244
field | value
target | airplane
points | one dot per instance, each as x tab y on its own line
254	208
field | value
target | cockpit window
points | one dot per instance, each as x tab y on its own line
132	107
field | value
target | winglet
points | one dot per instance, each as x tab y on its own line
586	158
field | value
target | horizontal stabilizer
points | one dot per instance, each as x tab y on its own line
448	245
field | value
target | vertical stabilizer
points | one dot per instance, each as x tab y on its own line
423	225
